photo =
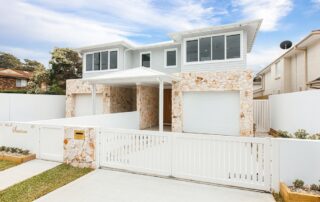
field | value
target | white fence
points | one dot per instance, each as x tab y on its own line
44	141
293	111
295	159
25	107
128	120
236	161
261	115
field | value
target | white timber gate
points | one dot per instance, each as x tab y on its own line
261	115
235	161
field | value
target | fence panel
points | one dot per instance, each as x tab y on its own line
51	143
261	115
235	161
138	151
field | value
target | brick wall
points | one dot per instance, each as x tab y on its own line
7	83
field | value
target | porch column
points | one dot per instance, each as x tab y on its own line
93	96
160	105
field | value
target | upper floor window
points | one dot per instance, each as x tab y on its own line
213	48
145	59
105	60
170	57
233	46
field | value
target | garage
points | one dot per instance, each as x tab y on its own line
211	112
83	104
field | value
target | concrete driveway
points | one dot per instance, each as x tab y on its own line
113	186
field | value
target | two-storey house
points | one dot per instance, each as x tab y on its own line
297	69
197	82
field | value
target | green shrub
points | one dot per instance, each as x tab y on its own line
314	136
298	183
2	148
284	134
301	134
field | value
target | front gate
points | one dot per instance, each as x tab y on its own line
227	160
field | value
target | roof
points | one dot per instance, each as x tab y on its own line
251	27
99	46
132	76
5	72
304	43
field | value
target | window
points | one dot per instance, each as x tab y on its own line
192	51
277	70
218	47
21	83
89	58
105	60
145	59
171	57
113	59
96	61
233	46
205	49
212	48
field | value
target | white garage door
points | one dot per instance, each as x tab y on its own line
83	104
211	112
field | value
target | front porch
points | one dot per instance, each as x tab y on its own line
140	89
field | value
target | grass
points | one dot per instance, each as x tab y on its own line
42	184
6	164
277	197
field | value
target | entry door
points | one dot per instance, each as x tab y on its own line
211	112
83	104
167	107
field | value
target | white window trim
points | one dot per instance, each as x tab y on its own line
84	69
165	57
146	52
277	74
212	61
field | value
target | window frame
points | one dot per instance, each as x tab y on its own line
146	52
277	74
100	70
225	48
165	58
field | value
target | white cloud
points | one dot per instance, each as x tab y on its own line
263	56
170	15
316	3
270	11
41	25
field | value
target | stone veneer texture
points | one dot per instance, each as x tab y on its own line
80	153
148	106
235	80
114	99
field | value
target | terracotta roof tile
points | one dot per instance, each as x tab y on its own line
4	72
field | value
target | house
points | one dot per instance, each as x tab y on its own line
198	82
11	79
298	69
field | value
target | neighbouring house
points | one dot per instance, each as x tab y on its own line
11	79
198	82
298	69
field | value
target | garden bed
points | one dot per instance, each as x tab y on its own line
291	194
15	155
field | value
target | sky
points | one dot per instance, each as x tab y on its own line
32	28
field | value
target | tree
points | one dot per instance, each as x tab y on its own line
31	65
39	77
65	64
9	61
